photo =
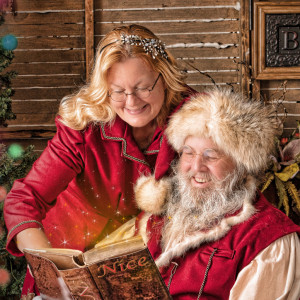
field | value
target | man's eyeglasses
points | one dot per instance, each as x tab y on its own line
187	154
142	93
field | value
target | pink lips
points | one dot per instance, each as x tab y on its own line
136	111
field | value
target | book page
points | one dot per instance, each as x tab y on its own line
114	249
62	258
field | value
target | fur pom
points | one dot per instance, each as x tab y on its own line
151	194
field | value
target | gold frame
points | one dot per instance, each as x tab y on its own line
260	71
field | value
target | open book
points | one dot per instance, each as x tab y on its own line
121	270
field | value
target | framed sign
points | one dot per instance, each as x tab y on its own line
276	41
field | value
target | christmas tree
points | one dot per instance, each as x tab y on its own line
14	163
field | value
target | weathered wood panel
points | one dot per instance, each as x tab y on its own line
42	93
37	55
208	64
89	36
169	35
48	17
202	35
46	68
278	84
204	79
35	106
287	97
53	43
208	38
32	130
40	30
108	4
37	118
290	124
49	5
186	30
183	53
245	54
48	81
182	14
49	59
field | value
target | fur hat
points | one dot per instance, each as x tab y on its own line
244	129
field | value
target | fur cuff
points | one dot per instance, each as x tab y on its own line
151	195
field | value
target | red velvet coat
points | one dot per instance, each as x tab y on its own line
233	252
81	188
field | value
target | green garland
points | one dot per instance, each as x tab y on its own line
10	170
6	92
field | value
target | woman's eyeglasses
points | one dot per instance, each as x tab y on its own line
121	96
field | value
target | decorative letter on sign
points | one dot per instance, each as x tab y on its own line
276	44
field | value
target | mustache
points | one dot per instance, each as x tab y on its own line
204	175
218	183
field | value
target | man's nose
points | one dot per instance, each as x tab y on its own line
199	164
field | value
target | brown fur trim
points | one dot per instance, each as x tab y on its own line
245	129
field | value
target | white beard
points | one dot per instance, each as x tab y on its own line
191	209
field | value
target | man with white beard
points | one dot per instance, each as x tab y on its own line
194	207
212	234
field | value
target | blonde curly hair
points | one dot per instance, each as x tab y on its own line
91	103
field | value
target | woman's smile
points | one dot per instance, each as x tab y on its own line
131	76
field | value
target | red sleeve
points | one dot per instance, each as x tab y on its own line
137	222
31	197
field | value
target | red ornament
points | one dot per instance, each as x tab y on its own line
4	277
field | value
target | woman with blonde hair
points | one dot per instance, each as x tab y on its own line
108	134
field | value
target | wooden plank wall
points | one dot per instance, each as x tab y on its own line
285	93
50	57
203	35
50	61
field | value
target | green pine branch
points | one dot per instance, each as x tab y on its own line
6	92
10	170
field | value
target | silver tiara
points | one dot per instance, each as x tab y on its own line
151	46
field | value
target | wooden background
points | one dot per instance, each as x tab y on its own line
56	40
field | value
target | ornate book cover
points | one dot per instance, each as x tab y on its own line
122	270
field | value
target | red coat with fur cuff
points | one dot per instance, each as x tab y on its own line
81	187
234	251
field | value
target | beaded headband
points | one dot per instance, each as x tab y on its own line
152	47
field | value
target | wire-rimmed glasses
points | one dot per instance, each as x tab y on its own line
142	93
188	155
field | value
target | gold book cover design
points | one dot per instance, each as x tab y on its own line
121	270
